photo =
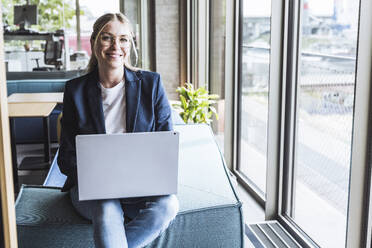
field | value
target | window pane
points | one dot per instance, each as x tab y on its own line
254	82
324	118
90	11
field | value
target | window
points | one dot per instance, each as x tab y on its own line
323	119
254	57
90	11
314	79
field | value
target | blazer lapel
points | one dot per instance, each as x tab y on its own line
132	95
95	104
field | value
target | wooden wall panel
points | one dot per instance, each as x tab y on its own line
6	178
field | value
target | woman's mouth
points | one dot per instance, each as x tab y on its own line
114	55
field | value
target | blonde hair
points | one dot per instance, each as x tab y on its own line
98	26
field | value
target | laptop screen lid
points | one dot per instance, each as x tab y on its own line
127	165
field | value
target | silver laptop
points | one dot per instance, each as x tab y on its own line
127	165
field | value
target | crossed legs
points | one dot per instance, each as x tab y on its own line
151	216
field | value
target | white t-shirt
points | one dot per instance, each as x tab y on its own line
113	103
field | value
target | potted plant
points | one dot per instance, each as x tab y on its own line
196	104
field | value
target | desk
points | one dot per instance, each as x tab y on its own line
41	109
54	97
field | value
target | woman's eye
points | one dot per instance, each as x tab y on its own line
123	40
106	38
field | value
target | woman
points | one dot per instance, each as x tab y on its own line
115	97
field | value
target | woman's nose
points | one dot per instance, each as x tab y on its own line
115	43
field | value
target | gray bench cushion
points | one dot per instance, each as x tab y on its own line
210	212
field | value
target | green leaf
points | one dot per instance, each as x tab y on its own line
196	104
183	102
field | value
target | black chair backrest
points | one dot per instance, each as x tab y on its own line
53	53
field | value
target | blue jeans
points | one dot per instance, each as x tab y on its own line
150	217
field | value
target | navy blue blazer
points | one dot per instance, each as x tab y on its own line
147	109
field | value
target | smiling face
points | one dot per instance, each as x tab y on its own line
112	46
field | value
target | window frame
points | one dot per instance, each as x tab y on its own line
289	80
357	235
281	124
358	232
142	12
249	186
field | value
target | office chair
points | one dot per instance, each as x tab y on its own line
52	56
